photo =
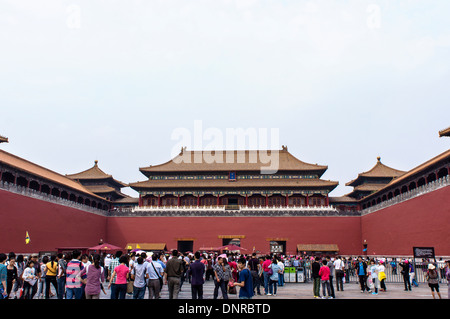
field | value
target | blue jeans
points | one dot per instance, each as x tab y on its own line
273	286
138	293
121	291
280	279
61	287
266	281
74	292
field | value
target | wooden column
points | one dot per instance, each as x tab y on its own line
218	200
159	200
179	201
140	199
287	200
307	200
267	200
328	201
198	200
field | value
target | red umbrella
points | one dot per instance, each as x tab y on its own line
105	247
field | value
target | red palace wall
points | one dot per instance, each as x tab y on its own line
343	231
49	225
423	221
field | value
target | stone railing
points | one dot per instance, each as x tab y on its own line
29	192
224	211
418	191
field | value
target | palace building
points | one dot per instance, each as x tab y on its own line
233	178
264	201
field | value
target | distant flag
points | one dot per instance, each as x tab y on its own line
27	238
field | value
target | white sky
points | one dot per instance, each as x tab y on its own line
342	81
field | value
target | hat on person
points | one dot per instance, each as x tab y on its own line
431	266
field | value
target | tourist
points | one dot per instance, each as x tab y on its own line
273	277
113	263
361	268
394	266
197	271
51	271
339	269
3	277
245	281
139	276
222	272
265	267
281	273
11	276
324	273
18	284
173	273
254	266
119	277
95	275
412	275
447	276
315	269
382	275
155	274
405	273
61	276
73	281
29	279
43	272
107	262
374	272
330	264
209	268
432	278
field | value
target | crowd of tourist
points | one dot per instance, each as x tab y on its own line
79	276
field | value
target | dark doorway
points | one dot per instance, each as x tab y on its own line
185	245
232	201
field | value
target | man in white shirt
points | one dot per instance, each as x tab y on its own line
339	268
155	271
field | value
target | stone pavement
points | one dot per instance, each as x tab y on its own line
304	291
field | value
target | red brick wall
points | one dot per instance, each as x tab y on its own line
343	231
49	225
422	222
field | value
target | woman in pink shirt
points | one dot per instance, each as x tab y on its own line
121	272
324	274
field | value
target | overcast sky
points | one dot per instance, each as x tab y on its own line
342	81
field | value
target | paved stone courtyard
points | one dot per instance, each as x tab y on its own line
305	291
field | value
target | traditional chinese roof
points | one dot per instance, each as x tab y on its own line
444	132
95	173
227	161
342	199
42	172
239	183
378	171
443	157
104	190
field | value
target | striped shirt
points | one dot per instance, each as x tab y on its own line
114	263
73	269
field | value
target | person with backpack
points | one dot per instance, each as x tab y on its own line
138	276
95	275
73	281
432	278
61	277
